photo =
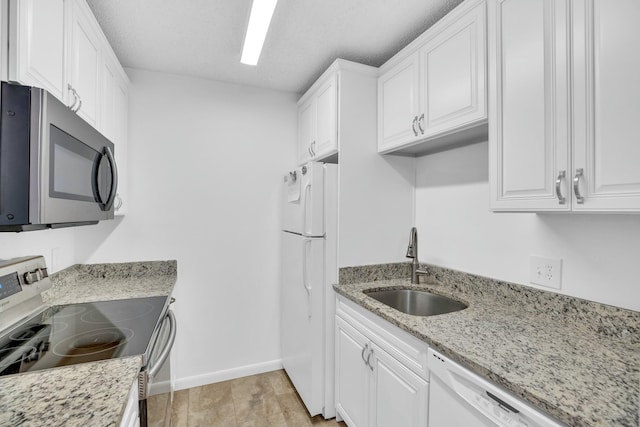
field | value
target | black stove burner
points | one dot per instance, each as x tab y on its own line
78	333
70	310
93	342
13	358
26	333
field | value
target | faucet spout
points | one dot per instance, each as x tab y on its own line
412	252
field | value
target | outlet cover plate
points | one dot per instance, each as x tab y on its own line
545	271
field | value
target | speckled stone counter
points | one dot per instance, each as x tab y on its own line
104	282
87	394
577	360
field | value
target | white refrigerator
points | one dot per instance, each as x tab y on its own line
309	270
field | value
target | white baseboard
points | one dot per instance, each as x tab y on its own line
228	374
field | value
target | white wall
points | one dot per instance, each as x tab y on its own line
57	246
376	192
456	229
206	163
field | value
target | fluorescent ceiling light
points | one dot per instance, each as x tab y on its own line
261	13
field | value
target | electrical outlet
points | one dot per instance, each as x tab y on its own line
545	271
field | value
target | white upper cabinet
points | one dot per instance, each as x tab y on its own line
113	122
606	105
86	62
528	120
317	120
58	45
37	45
453	65
565	100
326	141
399	104
306	130
433	93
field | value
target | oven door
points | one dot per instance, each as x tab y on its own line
156	381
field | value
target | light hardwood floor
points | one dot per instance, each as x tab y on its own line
263	400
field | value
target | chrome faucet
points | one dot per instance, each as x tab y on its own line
412	252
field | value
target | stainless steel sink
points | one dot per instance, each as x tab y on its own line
417	303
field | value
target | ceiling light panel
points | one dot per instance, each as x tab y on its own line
259	20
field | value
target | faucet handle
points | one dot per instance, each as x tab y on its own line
412	249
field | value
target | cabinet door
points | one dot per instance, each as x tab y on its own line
398	104
108	114
452	75
529	113
399	397
121	102
326	138
306	130
352	375
37	45
85	61
606	104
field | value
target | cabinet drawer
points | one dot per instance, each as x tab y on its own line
407	349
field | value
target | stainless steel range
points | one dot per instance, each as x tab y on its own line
34	336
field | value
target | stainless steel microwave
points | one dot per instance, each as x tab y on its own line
55	169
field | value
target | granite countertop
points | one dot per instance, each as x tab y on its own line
579	361
87	394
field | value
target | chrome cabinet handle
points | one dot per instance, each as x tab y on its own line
413	126
79	102
366	346
369	357
75	97
561	176
420	121
576	185
309	151
313	149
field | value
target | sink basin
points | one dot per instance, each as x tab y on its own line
417	303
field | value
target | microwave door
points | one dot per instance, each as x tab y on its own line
80	180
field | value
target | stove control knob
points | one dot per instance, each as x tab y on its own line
35	275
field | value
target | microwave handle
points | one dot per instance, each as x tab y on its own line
114	179
153	370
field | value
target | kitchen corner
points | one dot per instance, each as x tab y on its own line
93	393
575	359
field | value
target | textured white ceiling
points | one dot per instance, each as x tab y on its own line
203	38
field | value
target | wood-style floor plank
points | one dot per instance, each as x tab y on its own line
263	400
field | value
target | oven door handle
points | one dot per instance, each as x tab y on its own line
153	370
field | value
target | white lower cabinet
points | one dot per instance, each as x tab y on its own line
400	397
353	375
381	376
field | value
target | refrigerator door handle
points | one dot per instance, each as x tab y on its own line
305	276
305	197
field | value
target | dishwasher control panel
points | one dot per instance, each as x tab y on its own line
458	396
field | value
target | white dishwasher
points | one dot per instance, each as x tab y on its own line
458	397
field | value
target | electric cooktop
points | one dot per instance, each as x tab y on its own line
77	333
